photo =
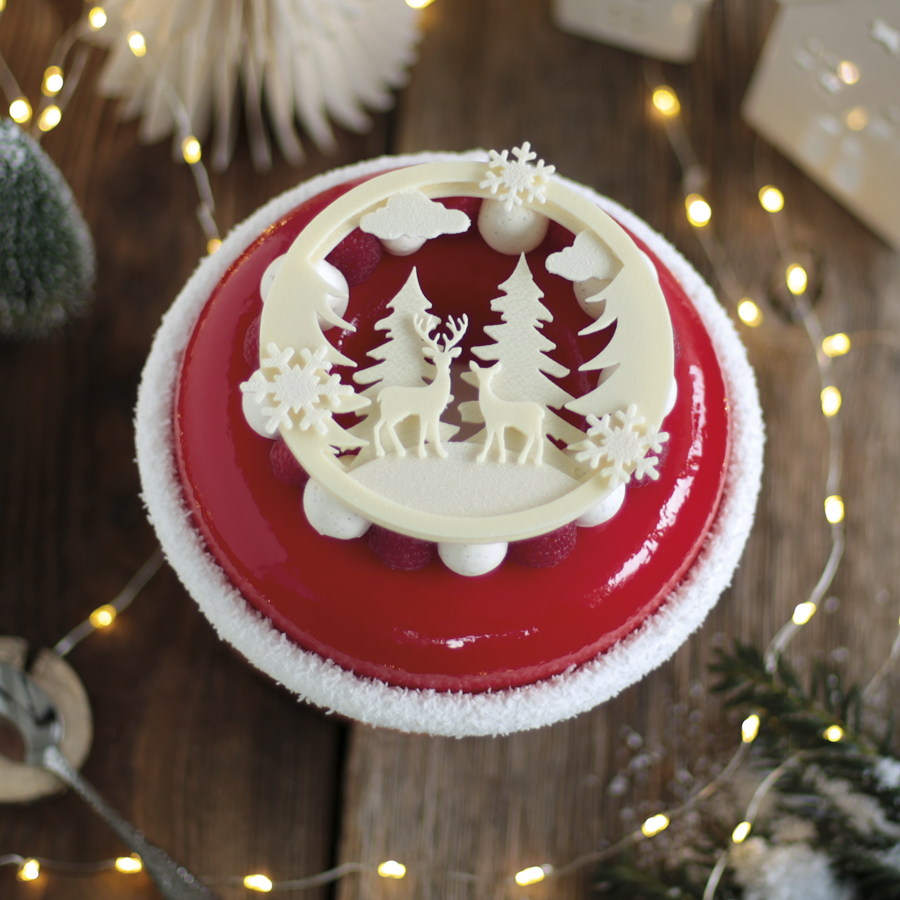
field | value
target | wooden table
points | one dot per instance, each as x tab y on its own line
225	769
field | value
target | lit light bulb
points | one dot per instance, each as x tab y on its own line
740	832
836	345
190	149
749	313
391	869
53	81
848	72
796	278
654	825
834	509
20	110
803	612
771	199
698	210
831	401
137	43
128	865
533	874
833	733
750	728
419	4
50	117
258	883
29	870
103	616
666	101
97	18
212	245
857	118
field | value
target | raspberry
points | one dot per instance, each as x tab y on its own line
545	550
469	205
357	256
251	343
285	466
558	238
398	551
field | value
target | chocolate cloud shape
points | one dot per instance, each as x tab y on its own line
588	257
412	214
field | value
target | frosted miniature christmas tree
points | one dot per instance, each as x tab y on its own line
401	362
523	352
46	252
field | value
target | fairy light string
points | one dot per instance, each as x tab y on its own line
826	348
105	615
58	85
700	214
191	150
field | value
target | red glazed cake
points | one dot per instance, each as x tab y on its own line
450	444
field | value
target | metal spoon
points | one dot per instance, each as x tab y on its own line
26	706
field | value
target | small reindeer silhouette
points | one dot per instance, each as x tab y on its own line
427	401
524	416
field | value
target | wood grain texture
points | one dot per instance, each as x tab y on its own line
216	764
220	766
491	75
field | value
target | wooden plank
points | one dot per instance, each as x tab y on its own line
220	766
492	74
217	764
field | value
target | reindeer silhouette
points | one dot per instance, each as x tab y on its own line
523	415
427	401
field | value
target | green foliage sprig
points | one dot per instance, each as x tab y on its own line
841	798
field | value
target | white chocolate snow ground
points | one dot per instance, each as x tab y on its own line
486	489
373	702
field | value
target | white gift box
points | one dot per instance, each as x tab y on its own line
826	93
666	29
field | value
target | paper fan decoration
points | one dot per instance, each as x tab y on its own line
306	61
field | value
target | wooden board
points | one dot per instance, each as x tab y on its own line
220	766
490	807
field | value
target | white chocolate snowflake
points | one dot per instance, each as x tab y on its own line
517	176
624	447
295	390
